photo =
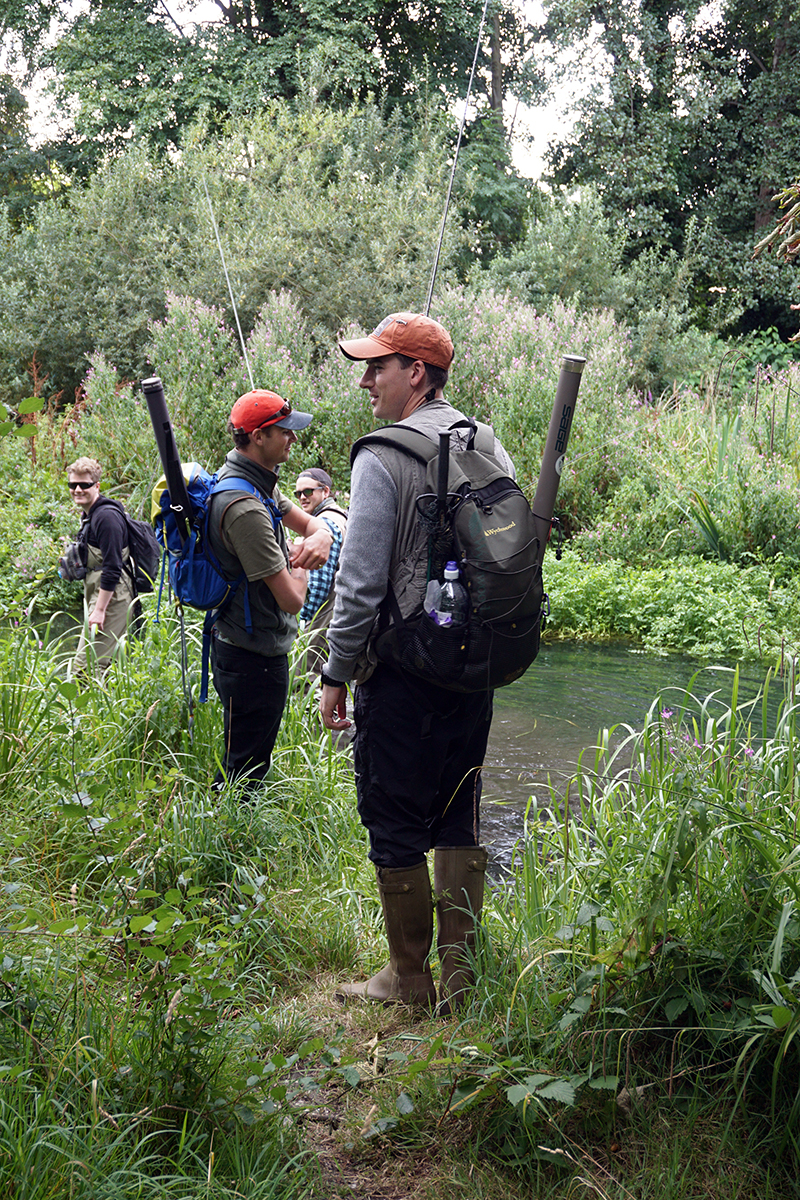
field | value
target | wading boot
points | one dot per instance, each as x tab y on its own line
458	873
405	894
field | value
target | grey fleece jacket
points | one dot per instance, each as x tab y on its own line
363	575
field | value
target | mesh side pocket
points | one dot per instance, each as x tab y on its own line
434	652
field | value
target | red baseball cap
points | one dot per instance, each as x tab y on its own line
256	409
404	333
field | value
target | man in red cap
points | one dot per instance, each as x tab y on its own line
252	637
418	748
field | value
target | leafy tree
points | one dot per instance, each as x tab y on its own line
341	208
575	251
128	68
24	24
496	199
18	163
696	116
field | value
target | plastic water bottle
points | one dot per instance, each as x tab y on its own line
452	607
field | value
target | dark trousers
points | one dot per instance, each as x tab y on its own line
253	691
418	753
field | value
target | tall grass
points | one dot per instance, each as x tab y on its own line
160	1024
647	944
148	927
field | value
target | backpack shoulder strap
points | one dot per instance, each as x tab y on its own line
418	445
105	502
234	483
481	437
401	437
484	438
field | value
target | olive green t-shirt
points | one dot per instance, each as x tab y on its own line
244	539
247	532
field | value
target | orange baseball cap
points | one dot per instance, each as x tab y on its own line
404	333
256	409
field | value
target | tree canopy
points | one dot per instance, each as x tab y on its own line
129	68
340	208
690	126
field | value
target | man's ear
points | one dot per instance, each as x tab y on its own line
419	373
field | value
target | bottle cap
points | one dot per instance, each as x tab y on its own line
451	570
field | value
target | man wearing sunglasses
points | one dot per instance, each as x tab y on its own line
98	557
253	636
313	494
418	749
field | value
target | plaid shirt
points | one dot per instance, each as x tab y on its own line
320	581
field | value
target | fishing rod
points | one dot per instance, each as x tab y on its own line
566	391
455	161
153	390
230	288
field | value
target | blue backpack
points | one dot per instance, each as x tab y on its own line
195	573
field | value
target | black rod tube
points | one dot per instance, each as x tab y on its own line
168	453
442	477
555	447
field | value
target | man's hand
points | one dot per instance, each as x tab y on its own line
313	551
333	707
98	614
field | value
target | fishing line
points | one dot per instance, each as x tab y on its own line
455	161
230	289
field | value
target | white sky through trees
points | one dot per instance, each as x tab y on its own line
532	128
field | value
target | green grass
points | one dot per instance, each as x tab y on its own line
167	1025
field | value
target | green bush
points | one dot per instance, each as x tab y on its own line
704	608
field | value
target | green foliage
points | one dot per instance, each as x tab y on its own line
250	55
711	610
340	208
571	249
680	908
577	251
160	1015
672	99
25	177
36	520
146	932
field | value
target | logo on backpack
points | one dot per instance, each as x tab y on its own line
488	530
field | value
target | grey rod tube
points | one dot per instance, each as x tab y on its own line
168	453
555	447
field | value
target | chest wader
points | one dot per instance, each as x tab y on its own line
94	657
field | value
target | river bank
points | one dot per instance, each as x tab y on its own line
169	968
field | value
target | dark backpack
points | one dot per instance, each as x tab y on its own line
144	551
490	532
145	555
195	573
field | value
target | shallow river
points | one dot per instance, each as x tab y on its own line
573	691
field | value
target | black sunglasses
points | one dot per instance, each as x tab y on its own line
307	492
79	483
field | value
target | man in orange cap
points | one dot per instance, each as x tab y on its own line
252	637
418	748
